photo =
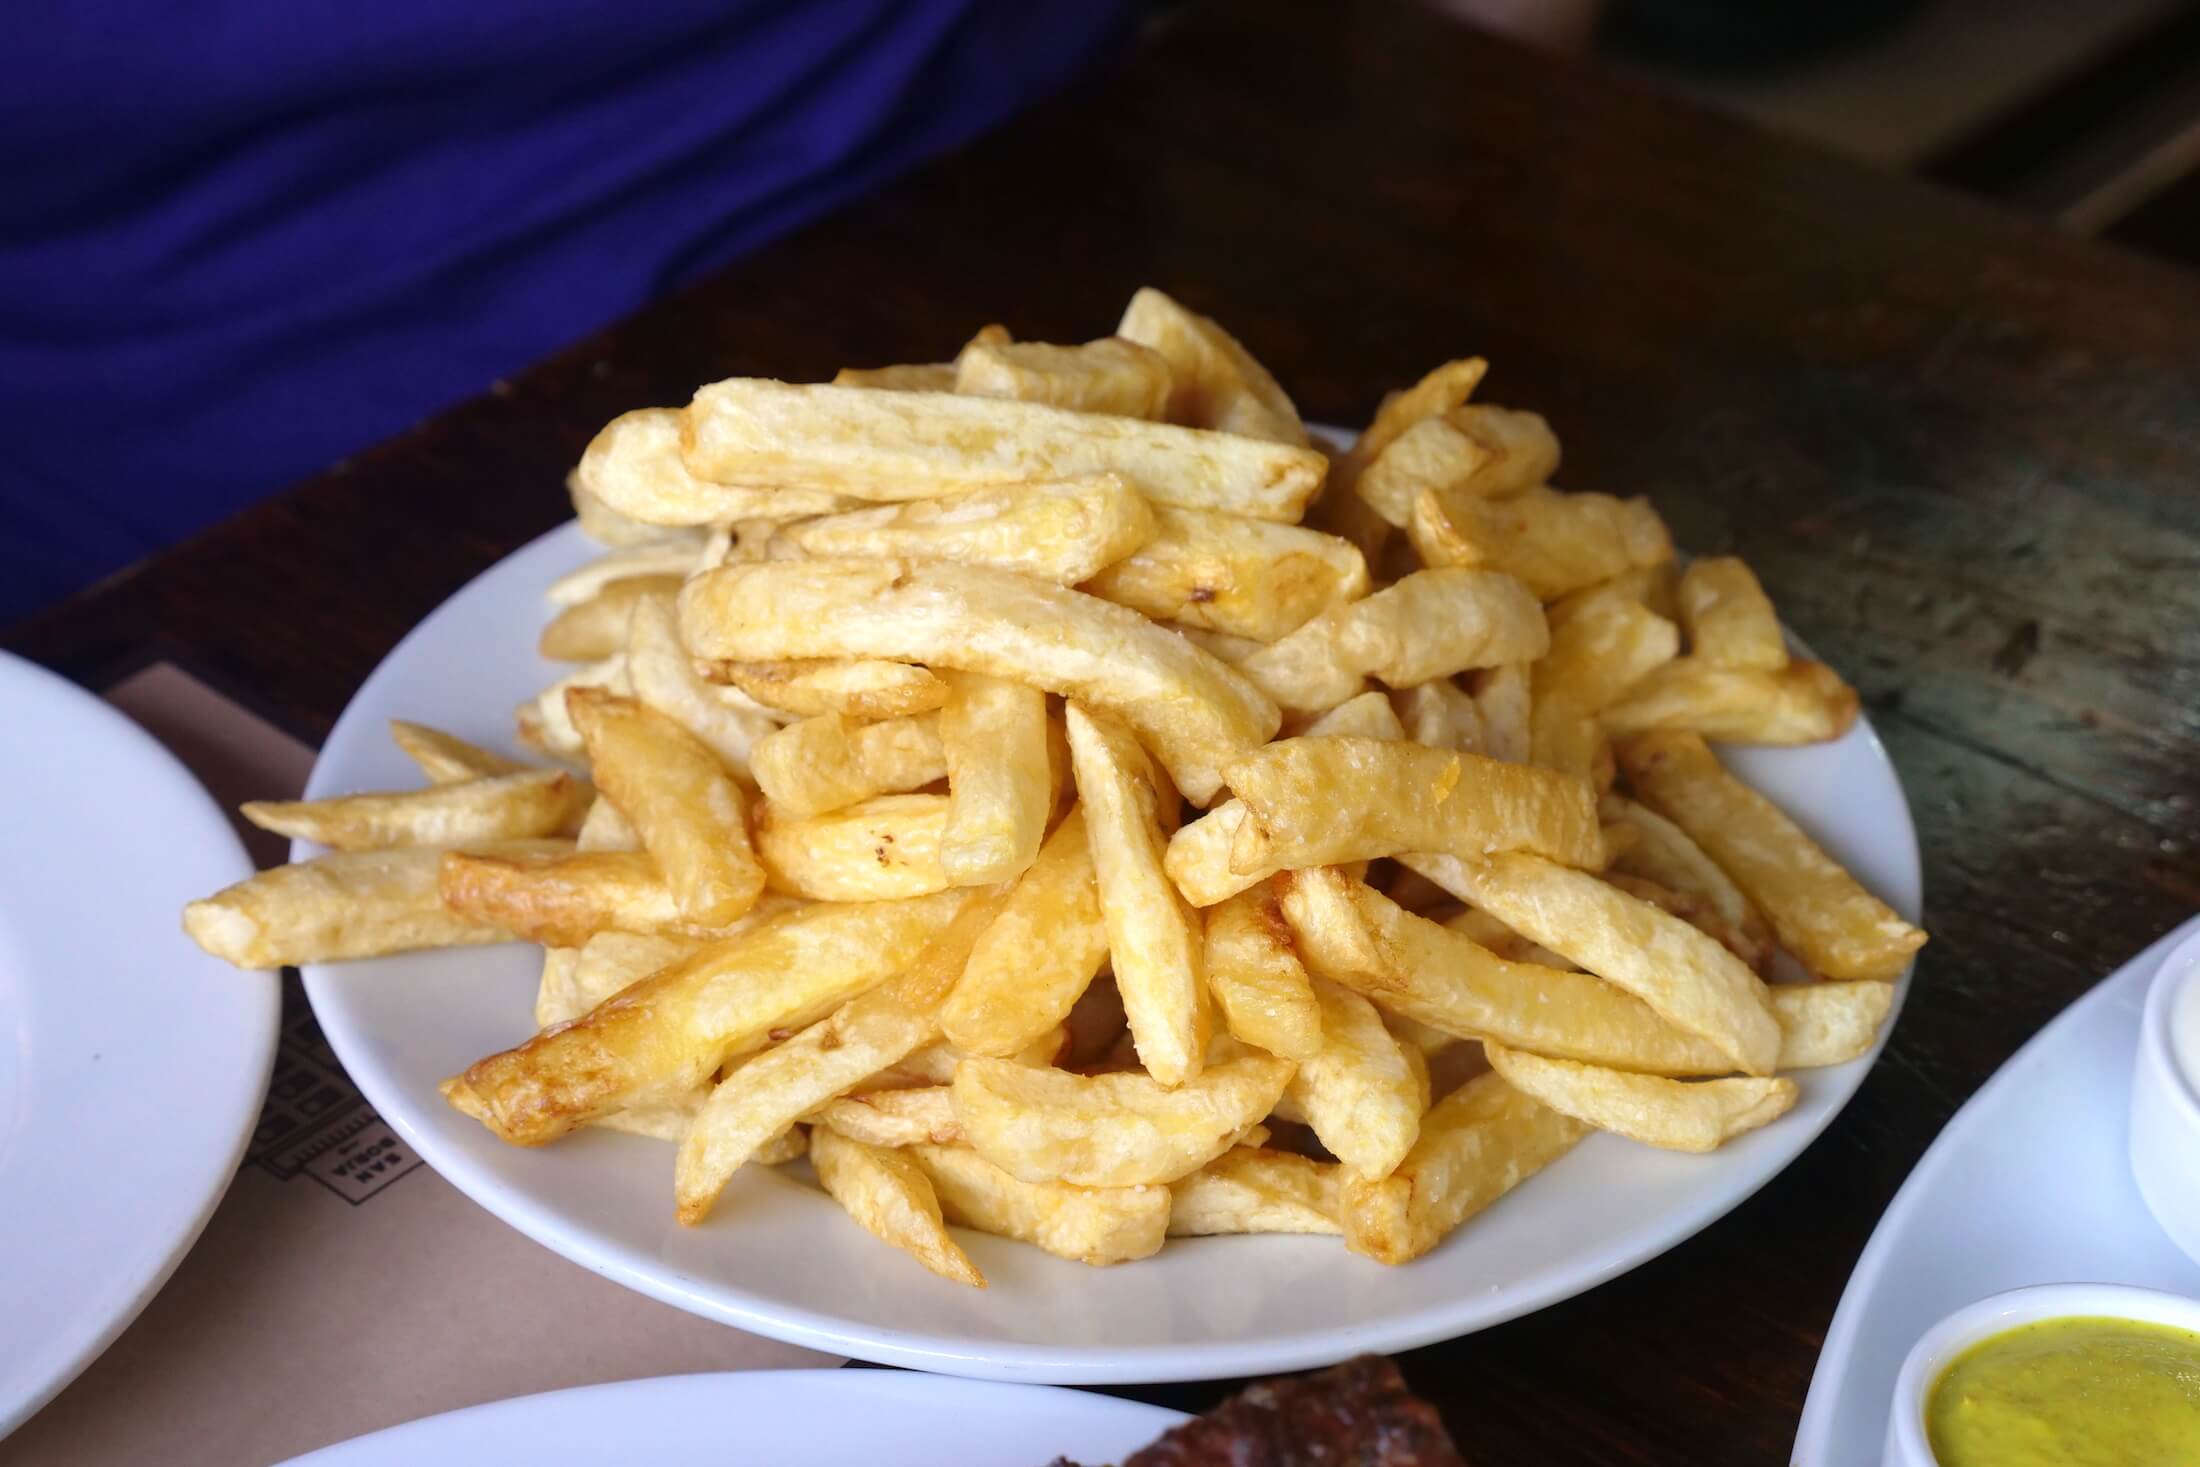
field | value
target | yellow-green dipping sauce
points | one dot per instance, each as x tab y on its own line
2076	1392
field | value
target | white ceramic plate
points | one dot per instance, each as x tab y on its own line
132	1065
778	1258
2027	1185
767	1418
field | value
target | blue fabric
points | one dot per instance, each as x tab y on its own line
240	239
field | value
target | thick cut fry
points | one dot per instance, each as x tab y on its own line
1110	375
906	377
1555	542
1032	965
497	807
686	808
1061	532
1674	1115
672	1030
603	524
934	1064
1435	394
918	1116
1473	452
1118	1130
664	678
1216	383
1729	619
1095	1225
1441	715
890	1197
1327	800
828	762
1820	912
1429	625
1257	979
857	687
1502	696
1562	737
446	758
917	445
1154	940
1364	1092
1662	852
1688	978
1802	703
1829	1023
596	628
1477	1144
673	553
546	723
1248	578
1603	645
633	466
829	1058
561	898
576	979
1195	712
880	849
354	904
1695	911
1000	791
1250	1189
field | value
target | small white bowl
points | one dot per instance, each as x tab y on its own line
1932	1354
2165	1103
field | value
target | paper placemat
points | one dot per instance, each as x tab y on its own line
341	1286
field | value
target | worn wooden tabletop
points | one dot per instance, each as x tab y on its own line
1961	449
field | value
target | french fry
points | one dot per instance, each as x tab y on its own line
1440	714
446	758
546	722
663	677
603	524
689	813
1250	1189
576	979
1153	938
890	1196
1696	912
556	896
1438	392
605	829
1502	696
1474	452
353	904
881	849
1219	645
496	807
634	467
1664	853
828	762
922	1115
673	553
1062	532
1194	711
1257	979
1820	912
1562	737
1688	978
1116	1130
1000	792
1829	1023
1364	1092
1328	800
857	687
911	445
672	1030
1428	625
1110	375
1674	1115
1031	966
1216	382
935	1063
1555	542
909	377
791	1144
1603	644
1095	1225
1729	619
1476	1144
1802	703
1245	577
596	628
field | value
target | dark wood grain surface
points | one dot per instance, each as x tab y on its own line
1960	448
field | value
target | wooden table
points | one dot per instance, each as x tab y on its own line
1960	448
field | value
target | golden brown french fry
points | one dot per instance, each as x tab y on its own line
1216	382
879	849
1116	1130
1664	853
1219	645
672	1030
546	723
1802	703
1032	965
446	758
689	813
1250	1189
1327	800
1110	375
1244	577
1603	644
1095	1225
1153	938
1729	619
1428	625
576	979
1688	978
672	553
1364	1092
560	898
828	762
908	445
1438	392
909	377
1502	696
1555	542
633	466
1257	979
890	1196
918	1116
1829	1023
663	677
496	807
1695	911
1195	711
1674	1115
1440	714
934	1064
1820	912
1562	737
1000	791
1480	451
1477	1144
596	628
603	524
1062	532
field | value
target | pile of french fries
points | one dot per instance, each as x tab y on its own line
1052	795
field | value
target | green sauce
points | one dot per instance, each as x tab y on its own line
2079	1392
